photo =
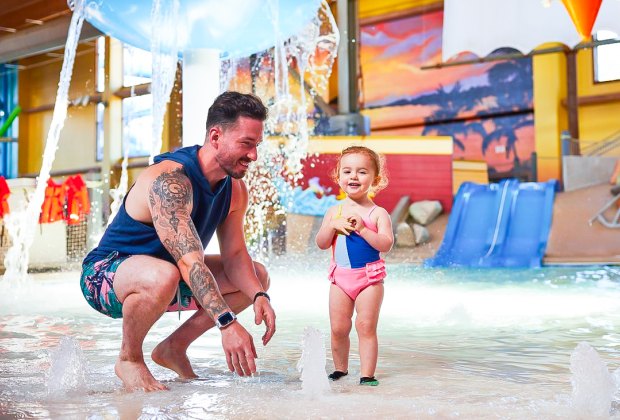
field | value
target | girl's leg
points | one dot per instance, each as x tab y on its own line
340	313
367	305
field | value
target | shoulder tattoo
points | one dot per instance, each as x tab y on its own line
170	196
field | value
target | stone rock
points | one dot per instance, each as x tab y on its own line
404	235
421	234
424	212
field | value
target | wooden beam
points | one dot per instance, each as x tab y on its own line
595	99
81	101
137	90
401	14
571	100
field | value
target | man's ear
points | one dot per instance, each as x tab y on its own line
214	135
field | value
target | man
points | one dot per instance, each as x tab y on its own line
158	238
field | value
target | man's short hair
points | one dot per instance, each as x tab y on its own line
229	106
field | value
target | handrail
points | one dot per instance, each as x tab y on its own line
603	146
615	222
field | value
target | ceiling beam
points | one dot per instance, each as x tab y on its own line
39	39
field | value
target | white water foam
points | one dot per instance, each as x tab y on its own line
593	385
312	364
67	374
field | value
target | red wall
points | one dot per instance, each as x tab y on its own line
421	177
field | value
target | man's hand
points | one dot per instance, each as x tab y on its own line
264	312
239	349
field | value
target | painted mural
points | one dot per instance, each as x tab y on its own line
487	108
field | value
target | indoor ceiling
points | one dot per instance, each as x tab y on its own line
17	15
31	27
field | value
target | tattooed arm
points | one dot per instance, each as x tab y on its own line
170	202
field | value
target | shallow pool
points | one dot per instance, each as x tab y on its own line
453	344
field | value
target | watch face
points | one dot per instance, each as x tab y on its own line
225	319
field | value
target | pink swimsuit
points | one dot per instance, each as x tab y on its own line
355	263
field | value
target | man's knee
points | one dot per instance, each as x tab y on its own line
262	274
155	279
168	277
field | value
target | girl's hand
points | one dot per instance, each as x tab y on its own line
356	221
342	225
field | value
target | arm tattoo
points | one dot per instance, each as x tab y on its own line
205	289
170	198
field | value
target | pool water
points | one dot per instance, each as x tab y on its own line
453	344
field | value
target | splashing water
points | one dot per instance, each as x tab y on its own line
68	370
164	50
593	385
309	55
22	223
312	364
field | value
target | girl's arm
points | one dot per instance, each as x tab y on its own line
330	227
383	239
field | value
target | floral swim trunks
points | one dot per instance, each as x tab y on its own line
96	284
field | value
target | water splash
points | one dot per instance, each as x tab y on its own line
312	364
68	369
593	385
164	50
22	223
309	55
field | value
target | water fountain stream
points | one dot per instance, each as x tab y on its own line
21	223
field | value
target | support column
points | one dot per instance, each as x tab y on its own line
348	89
201	85
550	117
112	117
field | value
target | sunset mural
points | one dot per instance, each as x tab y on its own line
487	108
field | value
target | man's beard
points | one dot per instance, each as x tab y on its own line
229	167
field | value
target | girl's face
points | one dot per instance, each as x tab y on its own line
356	174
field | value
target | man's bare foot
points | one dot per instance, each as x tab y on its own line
135	375
165	355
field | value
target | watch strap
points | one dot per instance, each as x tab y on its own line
257	295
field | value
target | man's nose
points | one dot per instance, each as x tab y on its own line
253	154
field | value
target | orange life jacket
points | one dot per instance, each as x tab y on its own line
53	204
78	202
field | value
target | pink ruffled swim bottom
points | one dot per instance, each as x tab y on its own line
353	280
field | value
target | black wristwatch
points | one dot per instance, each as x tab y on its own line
257	295
225	319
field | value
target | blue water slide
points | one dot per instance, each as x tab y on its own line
497	225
